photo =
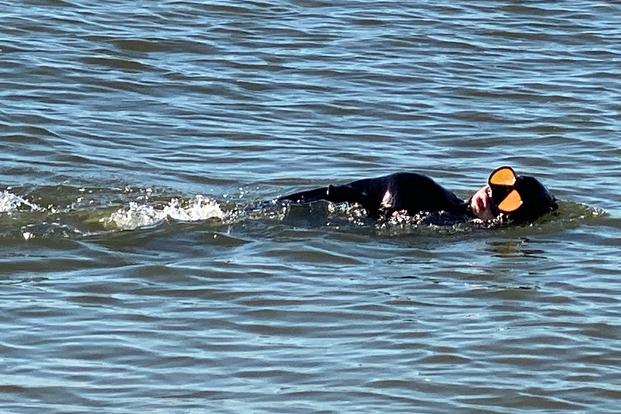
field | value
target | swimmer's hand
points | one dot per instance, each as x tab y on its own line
481	204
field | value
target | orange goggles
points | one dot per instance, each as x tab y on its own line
504	195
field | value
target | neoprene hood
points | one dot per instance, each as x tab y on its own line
536	198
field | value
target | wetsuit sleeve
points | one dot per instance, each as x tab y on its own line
307	196
352	193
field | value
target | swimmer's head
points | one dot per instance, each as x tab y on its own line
520	198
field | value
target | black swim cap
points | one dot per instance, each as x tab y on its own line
537	200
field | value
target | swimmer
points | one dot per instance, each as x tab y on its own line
506	196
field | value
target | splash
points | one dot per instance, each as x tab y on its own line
140	215
10	202
352	217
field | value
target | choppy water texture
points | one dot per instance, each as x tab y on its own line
139	272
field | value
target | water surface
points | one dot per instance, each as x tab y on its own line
136	138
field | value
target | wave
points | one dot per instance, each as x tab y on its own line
72	212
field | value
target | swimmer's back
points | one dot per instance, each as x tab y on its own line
408	191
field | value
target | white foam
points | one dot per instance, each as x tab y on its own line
11	202
139	215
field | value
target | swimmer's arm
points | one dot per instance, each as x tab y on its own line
352	193
307	196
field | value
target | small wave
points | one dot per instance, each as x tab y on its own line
78	211
140	215
10	202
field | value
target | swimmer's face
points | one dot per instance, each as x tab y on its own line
482	205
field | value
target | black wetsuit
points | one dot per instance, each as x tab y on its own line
412	192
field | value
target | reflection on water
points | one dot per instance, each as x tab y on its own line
513	248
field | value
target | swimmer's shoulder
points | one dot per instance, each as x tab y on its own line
411	178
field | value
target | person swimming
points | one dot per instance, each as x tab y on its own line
506	196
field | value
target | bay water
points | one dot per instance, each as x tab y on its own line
141	272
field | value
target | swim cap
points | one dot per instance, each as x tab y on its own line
521	198
536	198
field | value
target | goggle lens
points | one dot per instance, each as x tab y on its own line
504	176
511	202
504	195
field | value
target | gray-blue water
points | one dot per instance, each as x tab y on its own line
135	137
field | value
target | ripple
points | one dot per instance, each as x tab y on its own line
125	64
123	288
